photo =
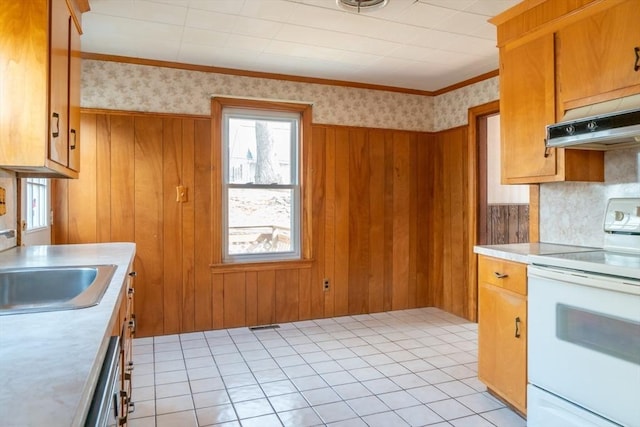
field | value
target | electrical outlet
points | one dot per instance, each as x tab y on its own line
325	284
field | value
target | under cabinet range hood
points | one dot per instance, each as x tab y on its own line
604	126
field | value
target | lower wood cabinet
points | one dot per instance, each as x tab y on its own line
502	329
125	327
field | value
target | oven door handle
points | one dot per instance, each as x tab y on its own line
517	334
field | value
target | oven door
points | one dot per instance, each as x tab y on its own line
584	341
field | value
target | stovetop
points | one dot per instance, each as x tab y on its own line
599	262
620	255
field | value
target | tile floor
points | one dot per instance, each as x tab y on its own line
401	368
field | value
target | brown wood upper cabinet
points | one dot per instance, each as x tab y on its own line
552	54
597	58
40	85
527	104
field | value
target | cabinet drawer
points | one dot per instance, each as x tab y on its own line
505	274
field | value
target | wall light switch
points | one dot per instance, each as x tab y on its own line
3	201
181	194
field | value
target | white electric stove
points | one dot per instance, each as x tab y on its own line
584	329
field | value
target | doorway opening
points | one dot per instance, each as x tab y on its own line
498	214
504	209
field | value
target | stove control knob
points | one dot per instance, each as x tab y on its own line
619	215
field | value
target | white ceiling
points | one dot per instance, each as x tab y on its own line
416	44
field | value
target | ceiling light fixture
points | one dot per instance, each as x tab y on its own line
361	5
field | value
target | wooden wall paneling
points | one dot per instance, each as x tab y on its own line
455	251
103	174
216	301
423	150
447	254
509	223
251	298
266	294
82	191
188	228
359	214
172	225
149	225
204	208
401	227
340	281
523	224
435	227
330	221
387	244
60	226
462	294
318	218
123	178
514	220
287	295
498	224
412	290
234	299
304	294
377	220
60	207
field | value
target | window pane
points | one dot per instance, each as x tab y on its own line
260	151
36	202
260	220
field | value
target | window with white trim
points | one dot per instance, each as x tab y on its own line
261	185
36	203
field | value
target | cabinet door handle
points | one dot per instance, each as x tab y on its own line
636	67
55	124
72	146
132	324
517	327
500	275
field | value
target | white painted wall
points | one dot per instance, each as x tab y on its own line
497	193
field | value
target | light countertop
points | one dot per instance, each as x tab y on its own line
519	252
50	362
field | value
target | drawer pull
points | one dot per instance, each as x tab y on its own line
636	67
500	275
517	327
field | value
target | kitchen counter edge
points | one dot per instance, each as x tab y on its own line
520	252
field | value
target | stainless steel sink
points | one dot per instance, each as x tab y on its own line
28	290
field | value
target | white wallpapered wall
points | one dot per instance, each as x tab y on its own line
144	88
570	212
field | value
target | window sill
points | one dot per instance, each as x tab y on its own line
260	266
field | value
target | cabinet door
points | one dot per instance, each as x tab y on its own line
75	65
597	55
502	336
59	82
527	98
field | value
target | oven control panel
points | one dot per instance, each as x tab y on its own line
622	216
